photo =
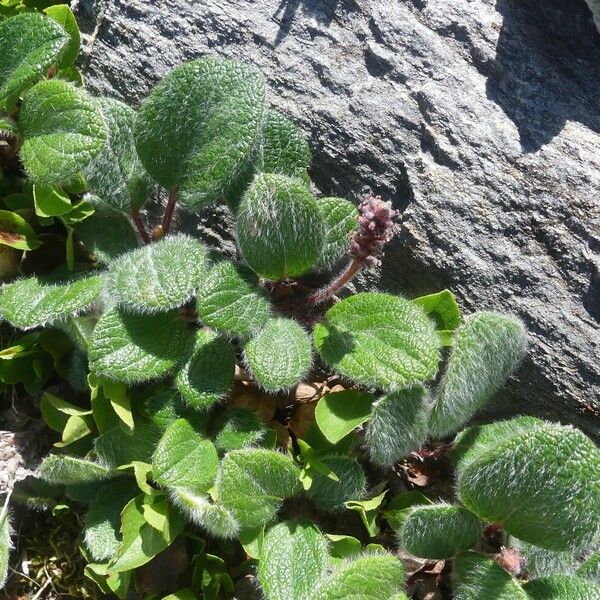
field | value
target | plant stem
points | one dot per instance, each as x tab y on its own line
340	281
169	210
139	223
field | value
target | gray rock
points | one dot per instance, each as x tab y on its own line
480	119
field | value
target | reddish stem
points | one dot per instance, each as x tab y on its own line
325	293
139	223
169	210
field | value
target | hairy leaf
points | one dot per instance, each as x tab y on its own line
253	483
62	131
29	44
280	355
443	309
63	15
487	349
562	587
351	483
29	303
207	376
185	459
229	300
339	413
439	530
116	175
279	227
239	428
398	425
341	219
542	485
159	276
70	470
590	569
197	128
5	544
378	340
133	348
117	446
16	232
294	558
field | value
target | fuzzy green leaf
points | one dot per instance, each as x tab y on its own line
116	175
253	483
378	340
158	276
562	587
443	309
398	425
238	428
70	470
62	131
590	569
29	44
140	541
400	506
16	232
341	219
439	530
351	483
229	300
542	485
5	544
118	446
29	303
208	375
280	355
479	577
279	227
370	577
339	413
294	558
133	348
196	130
185	459
63	15
487	349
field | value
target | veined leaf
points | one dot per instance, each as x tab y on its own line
378	340
238	428
29	303
341	219
63	15
351	483
294	558
69	470
119	446
279	227
16	232
29	44
133	348
159	276
590	569
562	587
229	300
62	131
197	128
280	355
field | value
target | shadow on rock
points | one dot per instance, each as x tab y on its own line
322	10
547	68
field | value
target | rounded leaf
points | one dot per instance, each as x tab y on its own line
378	340
16	232
238	428
279	227
329	494
159	276
341	219
197	128
280	355
562	587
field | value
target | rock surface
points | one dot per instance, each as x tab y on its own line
480	119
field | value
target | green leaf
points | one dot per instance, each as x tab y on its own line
399	507
279	227
29	44
370	577
342	546
140	541
540	484
378	340
229	300
562	587
109	583
133	348
339	413
80	212
73	422
163	407
478	577
107	233
9	131
439	530
487	349
29	303
116	174
254	482
16	232
238	428
351	483
398	425
443	309
197	128
158	276
185	459
5	543
62	131
62	14
294	558
69	470
208	375
119	446
50	201
590	569
118	396
280	355
341	220
368	511
217	520
185	594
